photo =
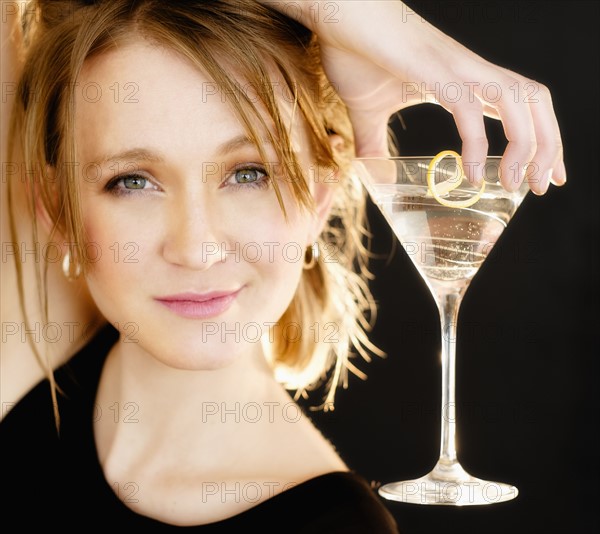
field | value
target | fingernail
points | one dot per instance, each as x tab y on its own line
522	176
514	184
562	174
545	182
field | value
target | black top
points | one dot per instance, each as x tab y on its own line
58	480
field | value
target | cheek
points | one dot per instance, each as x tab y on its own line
280	265
263	236
117	240
117	253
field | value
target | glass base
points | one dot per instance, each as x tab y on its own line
448	484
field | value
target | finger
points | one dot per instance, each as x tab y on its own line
559	177
379	171
471	128
370	134
518	125
547	160
491	112
371	141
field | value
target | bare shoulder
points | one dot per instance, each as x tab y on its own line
264	448
314	449
299	449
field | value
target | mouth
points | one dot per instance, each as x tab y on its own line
199	305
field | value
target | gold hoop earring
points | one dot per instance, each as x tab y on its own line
72	271
311	255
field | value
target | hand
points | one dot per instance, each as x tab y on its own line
382	57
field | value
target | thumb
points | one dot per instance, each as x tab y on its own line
370	134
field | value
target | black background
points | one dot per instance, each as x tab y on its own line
527	366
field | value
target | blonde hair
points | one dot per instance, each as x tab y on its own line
220	38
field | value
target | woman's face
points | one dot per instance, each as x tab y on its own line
192	258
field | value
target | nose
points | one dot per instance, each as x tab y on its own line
192	238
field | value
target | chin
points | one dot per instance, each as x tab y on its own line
202	363
206	358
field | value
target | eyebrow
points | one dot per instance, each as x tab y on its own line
241	141
133	154
143	154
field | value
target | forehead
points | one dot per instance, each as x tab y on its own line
142	94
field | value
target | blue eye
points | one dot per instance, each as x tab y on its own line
129	184
248	177
134	182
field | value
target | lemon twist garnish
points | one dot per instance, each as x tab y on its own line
450	184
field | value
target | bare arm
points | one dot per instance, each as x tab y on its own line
71	311
382	57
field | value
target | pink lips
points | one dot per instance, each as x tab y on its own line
199	306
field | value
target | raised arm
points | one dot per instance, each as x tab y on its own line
382	57
72	315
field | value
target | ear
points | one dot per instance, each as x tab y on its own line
325	183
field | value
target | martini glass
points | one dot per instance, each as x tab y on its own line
447	245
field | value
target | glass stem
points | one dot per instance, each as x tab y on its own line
448	304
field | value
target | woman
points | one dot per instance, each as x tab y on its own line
186	158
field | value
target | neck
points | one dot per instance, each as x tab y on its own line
183	411
160	391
